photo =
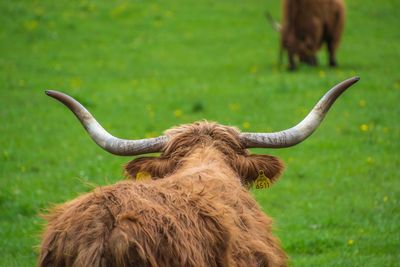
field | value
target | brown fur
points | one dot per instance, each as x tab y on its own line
198	214
307	24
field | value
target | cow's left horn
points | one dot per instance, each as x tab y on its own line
105	140
304	129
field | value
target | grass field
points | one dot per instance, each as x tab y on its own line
143	66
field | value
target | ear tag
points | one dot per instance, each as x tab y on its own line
262	181
143	176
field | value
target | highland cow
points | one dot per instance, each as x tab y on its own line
195	210
306	25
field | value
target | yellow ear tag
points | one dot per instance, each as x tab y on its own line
142	176
262	181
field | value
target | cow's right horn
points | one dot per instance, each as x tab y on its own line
105	140
304	129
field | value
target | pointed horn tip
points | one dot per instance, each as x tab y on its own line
349	82
50	92
354	79
56	94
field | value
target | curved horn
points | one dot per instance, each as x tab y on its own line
105	140
304	129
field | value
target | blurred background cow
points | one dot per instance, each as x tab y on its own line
306	26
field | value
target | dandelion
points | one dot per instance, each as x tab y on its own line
253	69
134	82
370	160
188	35
246	125
31	25
169	14
364	127
234	107
350	242
118	10
151	134
322	74
397	85
150	111
178	113
154	8
39	11
22	168
339	73
157	23
75	83
362	103
21	83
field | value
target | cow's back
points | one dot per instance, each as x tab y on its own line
161	223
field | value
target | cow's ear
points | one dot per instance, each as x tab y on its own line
149	167
250	167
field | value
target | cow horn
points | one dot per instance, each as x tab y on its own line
304	129
105	140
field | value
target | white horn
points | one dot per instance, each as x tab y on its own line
105	140
304	129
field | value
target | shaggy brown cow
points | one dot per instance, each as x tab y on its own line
195	211
307	24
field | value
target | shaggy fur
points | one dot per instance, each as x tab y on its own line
194	212
307	24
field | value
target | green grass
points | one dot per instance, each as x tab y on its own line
144	66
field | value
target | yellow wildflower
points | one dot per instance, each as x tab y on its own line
370	160
385	198
246	125
362	103
364	127
397	85
253	69
234	107
350	242
322	74
178	113
151	135
31	25
21	83
169	14
119	9
75	83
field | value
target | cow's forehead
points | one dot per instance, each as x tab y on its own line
203	128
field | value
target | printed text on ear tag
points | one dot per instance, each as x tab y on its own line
142	176
262	181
